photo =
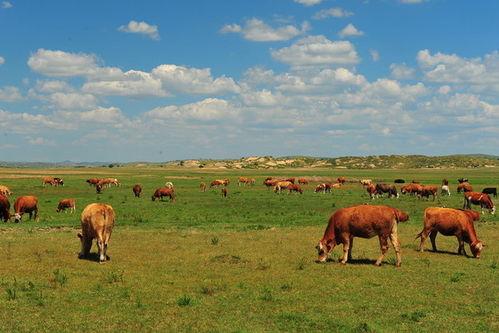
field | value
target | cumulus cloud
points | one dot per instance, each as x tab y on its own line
374	55
210	109
69	101
336	12
401	71
350	31
131	83
52	86
2	60
412	2
141	28
308	3
316	51
193	80
258	31
7	4
10	94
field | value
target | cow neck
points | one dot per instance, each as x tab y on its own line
471	234
329	232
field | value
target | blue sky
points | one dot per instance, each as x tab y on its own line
163	80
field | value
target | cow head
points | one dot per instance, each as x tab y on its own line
324	248
17	217
476	249
153	198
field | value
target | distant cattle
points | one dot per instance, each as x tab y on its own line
58	181
5	190
295	188
412	189
464	187
108	182
98	188
399	181
371	190
462	180
93	181
445	189
282	185
302	181
169	185
26	204
245	181
365	221
202	187
365	182
224	192
481	199
4	208
428	190
451	222
97	222
163	192
137	190
445	181
324	188
52	181
490	191
66	204
387	188
341	180
218	182
292	180
270	182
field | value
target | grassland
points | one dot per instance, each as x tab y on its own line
245	263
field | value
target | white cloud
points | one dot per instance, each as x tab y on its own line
317	50
142	28
10	94
193	80
52	86
131	83
412	2
350	31
209	109
102	115
308	3
332	12
258	31
40	141
401	71
2	60
444	90
7	4
374	55
71	101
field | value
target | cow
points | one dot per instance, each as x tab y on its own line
98	188
169	185
5	191
365	182
478	198
302	181
202	187
399	181
66	204
462	180
324	188
218	182
163	192
282	185
465	187
341	180
451	222
58	181
108	182
97	222
387	188
4	208
93	181
295	188
490	191
365	221
412	189
292	180
371	190
445	189
224	192
49	180
270	182
428	190
26	204
445	181
137	190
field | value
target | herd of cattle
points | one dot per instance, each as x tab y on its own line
365	221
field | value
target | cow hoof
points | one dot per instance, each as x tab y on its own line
378	264
108	258
81	256
398	265
343	262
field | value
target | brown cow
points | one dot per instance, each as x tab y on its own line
387	188
93	181
282	185
97	222
26	204
324	188
371	190
302	181
445	181
4	208
66	204
224	192
365	182
218	182
465	187
363	221
137	190
202	187
270	182
481	199
49	180
295	188
292	180
428	190
163	192
451	222
5	190
245	181
341	180
412	189
58	181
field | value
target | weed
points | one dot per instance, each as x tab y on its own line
11	293
286	287
267	295
391	261
364	328
214	240
456	277
184	300
415	316
493	265
60	278
301	264
114	277
207	290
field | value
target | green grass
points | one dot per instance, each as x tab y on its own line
245	263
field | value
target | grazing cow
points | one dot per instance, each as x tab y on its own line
202	187
465	187
169	185
137	190
399	181
445	181
490	191
49	180
93	181
270	182
302	181
365	182
164	192
428	190
445	189
462	180
98	188
292	180
58	181
66	204
282	185
26	204
365	221
245	181
295	188
5	190
451	222
224	192
387	188
412	189
107	182
4	208
97	222
341	180
324	188
218	182
371	190
481	199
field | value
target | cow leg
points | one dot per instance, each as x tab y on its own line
100	246
433	236
86	245
346	248
460	249
383	243
394	239
350	248
424	235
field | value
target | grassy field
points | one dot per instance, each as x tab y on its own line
244	263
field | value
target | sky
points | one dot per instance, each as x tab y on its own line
166	80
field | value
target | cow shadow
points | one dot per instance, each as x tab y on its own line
445	252
92	257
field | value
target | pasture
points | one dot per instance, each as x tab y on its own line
243	263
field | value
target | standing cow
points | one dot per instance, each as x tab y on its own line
481	199
66	204
163	192
365	221
4	208
137	190
451	222
26	204
97	222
